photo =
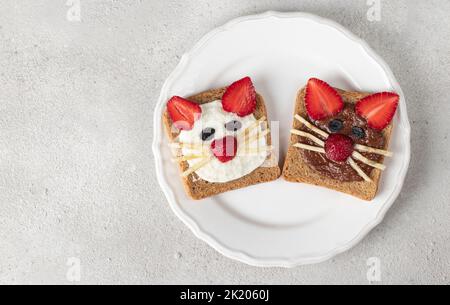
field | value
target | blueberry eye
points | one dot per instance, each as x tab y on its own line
208	134
358	132
233	126
336	125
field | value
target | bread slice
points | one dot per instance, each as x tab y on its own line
199	189
297	170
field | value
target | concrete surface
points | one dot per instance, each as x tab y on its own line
76	169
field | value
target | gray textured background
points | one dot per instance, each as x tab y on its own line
76	169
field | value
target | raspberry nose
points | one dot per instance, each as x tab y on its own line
339	147
225	149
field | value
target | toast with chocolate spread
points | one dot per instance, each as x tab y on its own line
339	139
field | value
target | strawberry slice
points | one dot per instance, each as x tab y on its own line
183	113
339	147
378	109
321	100
225	149
240	98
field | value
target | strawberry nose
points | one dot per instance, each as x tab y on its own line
339	147
225	149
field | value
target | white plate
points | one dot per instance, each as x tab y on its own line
280	223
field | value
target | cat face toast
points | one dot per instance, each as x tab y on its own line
340	139
221	140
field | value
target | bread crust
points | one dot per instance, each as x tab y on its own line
199	189
297	170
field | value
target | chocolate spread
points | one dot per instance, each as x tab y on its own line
343	171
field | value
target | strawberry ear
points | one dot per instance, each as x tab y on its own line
240	98
378	109
183	112
321	100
